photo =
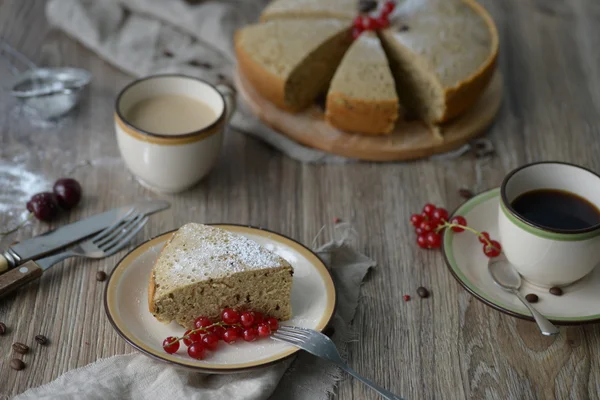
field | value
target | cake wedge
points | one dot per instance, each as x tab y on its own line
204	269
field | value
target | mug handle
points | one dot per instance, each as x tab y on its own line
230	95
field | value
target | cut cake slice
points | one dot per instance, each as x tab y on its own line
203	269
341	9
290	62
442	54
362	95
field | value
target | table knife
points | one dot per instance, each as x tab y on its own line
65	235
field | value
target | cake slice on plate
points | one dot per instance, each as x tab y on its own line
290	62
203	269
362	95
442	54
341	9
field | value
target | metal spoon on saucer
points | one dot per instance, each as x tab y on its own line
506	276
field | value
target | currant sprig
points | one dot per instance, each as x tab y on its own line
433	220
372	23
247	325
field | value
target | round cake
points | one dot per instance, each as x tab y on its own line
377	62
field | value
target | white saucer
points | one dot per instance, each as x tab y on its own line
580	303
126	305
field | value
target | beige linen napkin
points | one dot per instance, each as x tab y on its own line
143	37
137	377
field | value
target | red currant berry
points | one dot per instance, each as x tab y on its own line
230	335
217	330
239	330
458	220
356	32
258	317
426	226
434	240
369	23
247	319
250	334
186	339
68	192
273	323
388	7
171	344
202	322
210	341
483	236
358	22
440	214
419	231
428	209
44	206
230	316
422	241
192	337
382	22
406	297
264	330
493	250
416	220
197	351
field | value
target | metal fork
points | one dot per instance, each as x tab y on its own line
320	345
104	244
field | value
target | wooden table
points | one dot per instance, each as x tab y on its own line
448	346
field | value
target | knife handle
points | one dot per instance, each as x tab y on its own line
3	264
19	276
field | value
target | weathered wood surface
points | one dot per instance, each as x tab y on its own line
449	346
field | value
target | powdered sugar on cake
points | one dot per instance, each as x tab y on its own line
199	252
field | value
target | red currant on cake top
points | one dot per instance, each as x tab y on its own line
388	7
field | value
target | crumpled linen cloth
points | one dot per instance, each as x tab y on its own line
143	37
305	377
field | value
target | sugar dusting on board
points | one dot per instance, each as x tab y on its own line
18	185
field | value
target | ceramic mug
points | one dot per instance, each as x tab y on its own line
545	256
172	163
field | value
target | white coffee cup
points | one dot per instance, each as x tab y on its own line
548	256
172	163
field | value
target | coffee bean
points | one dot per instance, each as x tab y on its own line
20	348
465	193
556	291
403	28
100	276
17	364
422	292
532	298
41	339
365	6
167	53
3	328
196	63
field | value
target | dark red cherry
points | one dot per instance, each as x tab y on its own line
44	206
68	192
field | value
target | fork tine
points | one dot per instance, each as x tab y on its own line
287	339
117	234
113	226
293	334
127	238
294	329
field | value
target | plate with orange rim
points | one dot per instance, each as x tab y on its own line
125	302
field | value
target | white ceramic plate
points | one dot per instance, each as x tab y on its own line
126	305
579	304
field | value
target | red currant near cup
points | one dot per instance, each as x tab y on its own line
458	220
388	7
484	237
230	316
493	249
422	241
416	220
426	226
171	345
440	214
197	351
434	240
428	209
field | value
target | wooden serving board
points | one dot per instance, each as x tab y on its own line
410	139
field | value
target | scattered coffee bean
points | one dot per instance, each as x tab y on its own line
17	364
41	339
403	28
422	292
465	194
20	348
556	291
532	298
2	328
100	276
167	53
365	6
